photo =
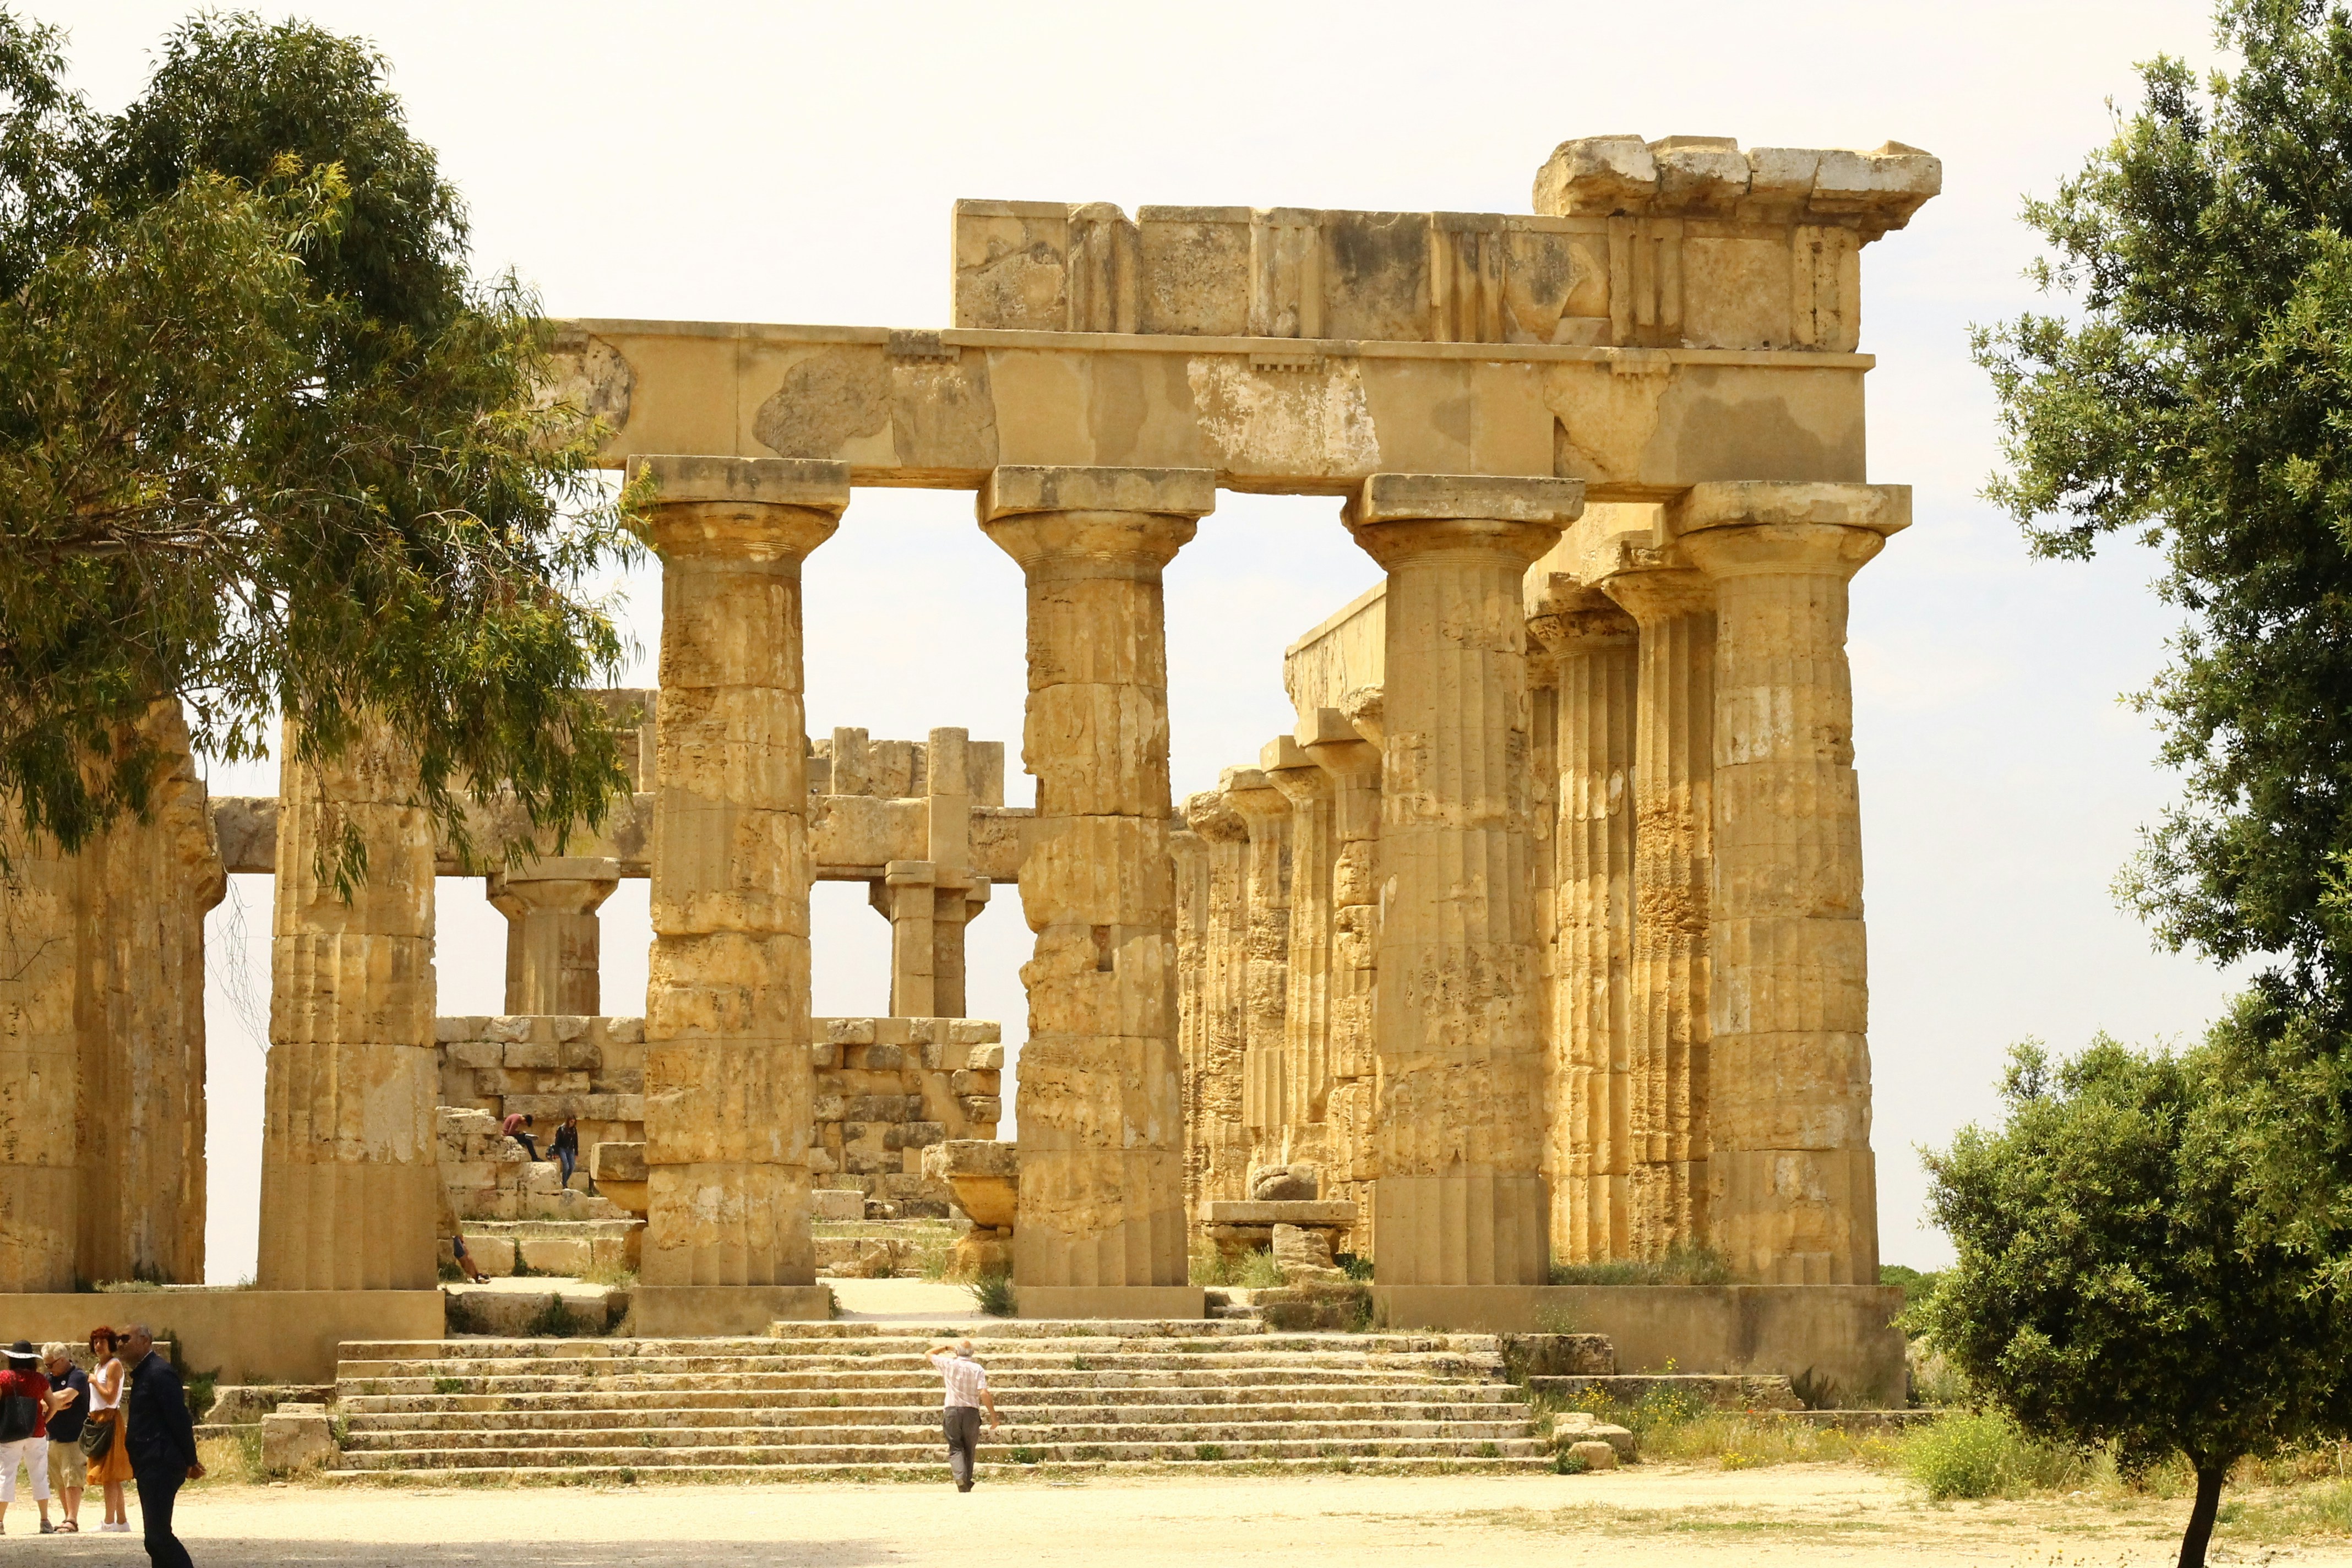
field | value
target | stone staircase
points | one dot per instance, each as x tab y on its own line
857	1399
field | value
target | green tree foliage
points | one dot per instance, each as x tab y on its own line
2194	389
2105	1291
266	447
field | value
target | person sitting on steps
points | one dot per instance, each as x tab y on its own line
513	1127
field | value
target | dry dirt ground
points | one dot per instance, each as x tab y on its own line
1653	1514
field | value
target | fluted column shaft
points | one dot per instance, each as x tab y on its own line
1595	666
727	999
1101	1110
1213	1125
1306	998
554	940
1353	764
349	1189
1461	1197
1265	812
1795	1184
1666	1048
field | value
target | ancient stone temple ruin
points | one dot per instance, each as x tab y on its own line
1539	936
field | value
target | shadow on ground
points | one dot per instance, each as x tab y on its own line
231	1554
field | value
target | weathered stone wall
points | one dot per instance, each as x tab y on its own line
883	1090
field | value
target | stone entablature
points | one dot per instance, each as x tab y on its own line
1684	243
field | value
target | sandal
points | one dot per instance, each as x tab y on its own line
68	1527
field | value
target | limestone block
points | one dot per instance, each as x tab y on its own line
836	1204
983	1108
988	1058
616	1162
466	1052
1303	1255
978	1033
984	1176
1285	1184
297	1438
624	1031
1592	1454
508	1029
1572	1429
981	1252
568	1256
913	1135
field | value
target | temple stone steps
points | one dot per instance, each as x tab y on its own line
814	1399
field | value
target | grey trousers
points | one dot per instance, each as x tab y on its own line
961	1423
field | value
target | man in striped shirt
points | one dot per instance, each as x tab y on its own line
967	1393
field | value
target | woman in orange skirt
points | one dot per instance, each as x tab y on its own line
111	1466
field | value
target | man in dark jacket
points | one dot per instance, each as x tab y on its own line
162	1439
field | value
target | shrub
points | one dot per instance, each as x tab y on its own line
995	1294
1982	1453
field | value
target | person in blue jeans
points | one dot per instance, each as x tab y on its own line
566	1150
161	1437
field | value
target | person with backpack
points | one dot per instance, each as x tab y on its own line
69	1413
566	1150
25	1431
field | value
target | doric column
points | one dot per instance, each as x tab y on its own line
349	1189
553	945
1461	1198
726	1002
42	934
1794	1185
1352	764
1213	1098
1265	813
1666	1048
1591	644
1306	993
1101	1113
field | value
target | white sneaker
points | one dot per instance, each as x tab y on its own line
125	1528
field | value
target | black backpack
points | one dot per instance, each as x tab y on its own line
19	1415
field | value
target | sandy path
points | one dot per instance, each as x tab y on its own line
1650	1515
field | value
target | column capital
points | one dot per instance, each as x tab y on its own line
1289	769
1396	517
1211	816
1738	503
1661	589
1338	747
1012	491
756	509
1568	616
1749	529
1249	792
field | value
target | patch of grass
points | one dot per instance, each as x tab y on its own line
611	1275
1980	1454
1680	1265
1357	1268
1026	1455
555	1320
448	1385
994	1295
231	1461
1208	1451
449	1272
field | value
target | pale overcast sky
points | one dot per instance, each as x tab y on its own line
795	162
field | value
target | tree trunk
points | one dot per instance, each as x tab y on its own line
2200	1517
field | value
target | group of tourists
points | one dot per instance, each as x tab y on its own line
124	1421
